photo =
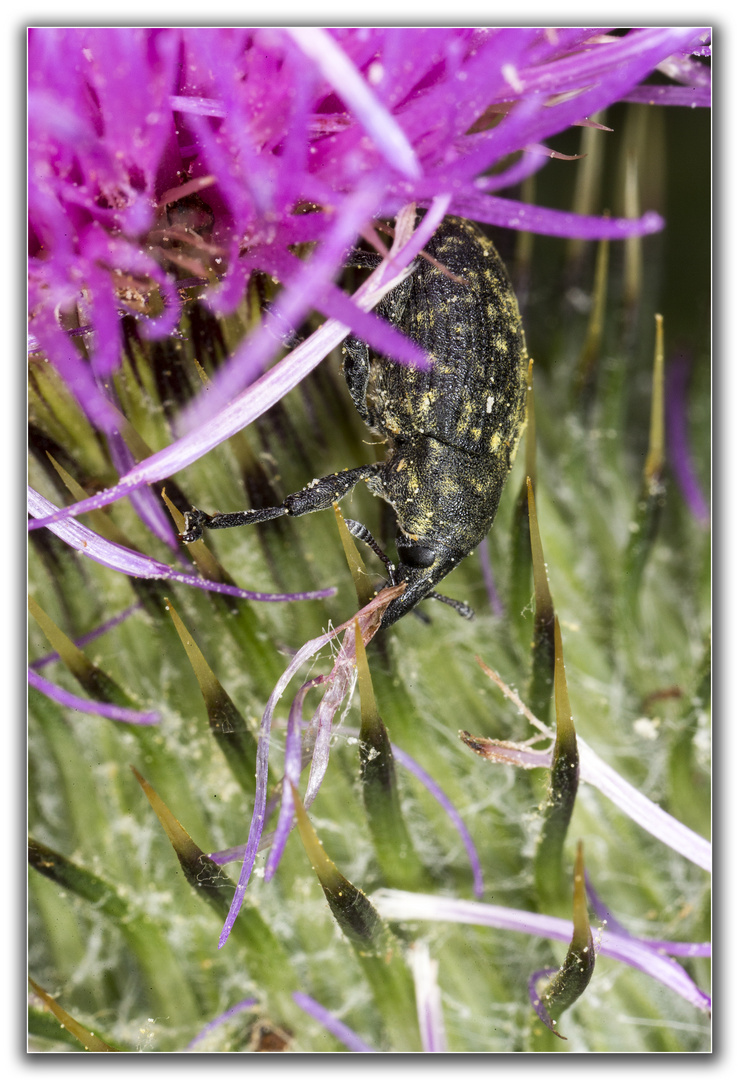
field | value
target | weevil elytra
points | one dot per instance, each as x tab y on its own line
452	430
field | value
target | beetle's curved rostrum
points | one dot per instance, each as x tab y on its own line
452	429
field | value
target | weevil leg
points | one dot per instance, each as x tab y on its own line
361	532
197	520
459	605
363	260
355	353
356	368
318	495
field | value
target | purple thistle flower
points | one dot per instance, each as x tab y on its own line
351	124
305	136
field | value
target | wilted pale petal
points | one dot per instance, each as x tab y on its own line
369	617
412	907
428	998
595	771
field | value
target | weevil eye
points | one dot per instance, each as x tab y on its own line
417	556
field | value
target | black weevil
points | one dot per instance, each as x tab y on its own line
452	429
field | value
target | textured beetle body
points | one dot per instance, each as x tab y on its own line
473	395
453	429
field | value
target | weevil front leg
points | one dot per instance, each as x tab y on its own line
356	368
361	532
318	495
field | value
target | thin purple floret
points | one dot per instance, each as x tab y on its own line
332	1024
94	708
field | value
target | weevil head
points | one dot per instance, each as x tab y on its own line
445	501
421	566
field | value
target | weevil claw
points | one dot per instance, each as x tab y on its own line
194	521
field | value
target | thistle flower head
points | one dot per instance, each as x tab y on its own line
159	156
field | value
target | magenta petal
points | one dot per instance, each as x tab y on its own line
681	460
538	219
688	97
346	80
95	708
143	499
333	301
